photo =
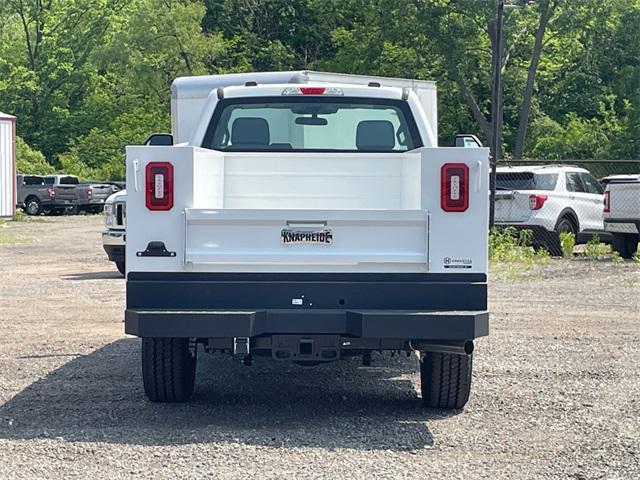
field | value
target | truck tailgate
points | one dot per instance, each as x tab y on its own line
624	199
303	237
66	193
100	192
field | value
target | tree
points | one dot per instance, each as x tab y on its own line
31	161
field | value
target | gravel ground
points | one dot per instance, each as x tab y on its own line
556	388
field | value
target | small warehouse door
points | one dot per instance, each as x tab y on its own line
7	165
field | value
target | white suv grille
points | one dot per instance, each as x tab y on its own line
121	214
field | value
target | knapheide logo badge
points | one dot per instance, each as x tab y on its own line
315	237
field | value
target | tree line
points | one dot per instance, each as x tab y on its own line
87	77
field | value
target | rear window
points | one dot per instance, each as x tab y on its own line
526	181
69	181
316	124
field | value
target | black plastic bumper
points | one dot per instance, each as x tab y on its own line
392	306
116	253
407	325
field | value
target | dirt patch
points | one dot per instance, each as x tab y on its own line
556	386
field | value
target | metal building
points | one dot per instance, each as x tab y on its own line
7	165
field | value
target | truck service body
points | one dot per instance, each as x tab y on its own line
306	217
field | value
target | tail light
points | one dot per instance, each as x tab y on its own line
159	186
607	201
51	192
454	187
537	201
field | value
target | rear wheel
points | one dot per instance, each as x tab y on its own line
121	267
168	368
564	225
32	206
626	244
445	379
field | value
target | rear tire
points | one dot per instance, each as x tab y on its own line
168	369
32	206
626	244
564	225
121	266
445	380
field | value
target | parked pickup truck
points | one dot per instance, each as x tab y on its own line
622	213
50	194
306	217
115	220
93	195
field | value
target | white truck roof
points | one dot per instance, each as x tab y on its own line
189	94
541	169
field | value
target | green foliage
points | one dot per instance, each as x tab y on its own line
595	250
567	243
31	161
514	246
20	216
616	258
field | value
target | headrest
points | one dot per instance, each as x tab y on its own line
249	131
375	135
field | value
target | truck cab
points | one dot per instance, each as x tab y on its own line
306	217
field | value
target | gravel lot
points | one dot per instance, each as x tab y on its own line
556	386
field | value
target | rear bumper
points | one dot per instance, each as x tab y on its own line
622	225
387	324
113	242
98	202
369	306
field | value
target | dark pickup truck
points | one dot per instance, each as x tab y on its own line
55	194
93	195
50	194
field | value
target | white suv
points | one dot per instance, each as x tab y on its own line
549	200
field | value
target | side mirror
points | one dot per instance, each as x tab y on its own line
467	140
159	139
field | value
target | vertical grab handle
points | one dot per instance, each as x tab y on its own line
136	168
478	175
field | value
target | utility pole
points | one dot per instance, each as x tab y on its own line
496	109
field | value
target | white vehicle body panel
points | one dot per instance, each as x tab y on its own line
383	209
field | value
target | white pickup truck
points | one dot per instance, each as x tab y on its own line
306	217
622	213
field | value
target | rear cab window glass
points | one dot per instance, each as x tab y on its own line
69	181
526	181
314	124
